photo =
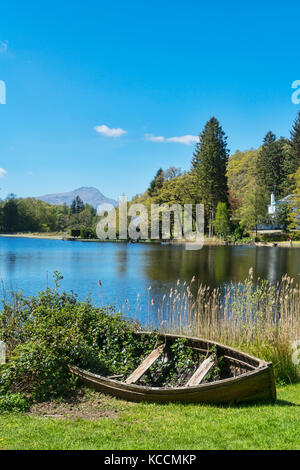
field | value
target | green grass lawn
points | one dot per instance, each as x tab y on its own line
162	427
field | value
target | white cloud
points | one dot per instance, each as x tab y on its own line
109	132
2	172
184	139
3	47
155	138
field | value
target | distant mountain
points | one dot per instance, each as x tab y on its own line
90	196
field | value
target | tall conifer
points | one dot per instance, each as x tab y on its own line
209	162
270	165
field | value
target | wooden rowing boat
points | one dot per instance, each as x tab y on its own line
248	378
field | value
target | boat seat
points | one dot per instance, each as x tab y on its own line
144	366
202	371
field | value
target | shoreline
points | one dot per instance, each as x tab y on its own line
54	236
207	242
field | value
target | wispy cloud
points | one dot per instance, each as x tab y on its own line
3	47
183	139
109	132
155	138
2	172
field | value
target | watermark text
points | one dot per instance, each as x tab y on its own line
2	92
159	222
296	94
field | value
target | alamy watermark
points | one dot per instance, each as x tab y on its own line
161	222
296	94
296	352
2	92
2	352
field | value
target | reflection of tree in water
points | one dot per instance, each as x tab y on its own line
162	266
9	268
211	265
121	255
216	265
11	260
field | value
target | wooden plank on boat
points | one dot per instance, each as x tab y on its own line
201	372
144	366
239	362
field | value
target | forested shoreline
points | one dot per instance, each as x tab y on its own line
33	215
235	190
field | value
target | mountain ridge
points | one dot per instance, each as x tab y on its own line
88	194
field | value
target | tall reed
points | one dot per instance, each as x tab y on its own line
258	316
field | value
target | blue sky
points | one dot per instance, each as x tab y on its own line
150	69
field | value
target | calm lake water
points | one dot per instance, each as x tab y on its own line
127	270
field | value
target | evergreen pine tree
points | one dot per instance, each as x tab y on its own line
292	157
270	165
196	153
156	183
73	207
79	204
295	141
209	162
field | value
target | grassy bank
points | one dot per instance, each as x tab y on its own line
149	426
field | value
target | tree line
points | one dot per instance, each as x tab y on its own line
33	215
236	189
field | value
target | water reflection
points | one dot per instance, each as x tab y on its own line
127	270
121	257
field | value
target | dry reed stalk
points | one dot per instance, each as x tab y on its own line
259	317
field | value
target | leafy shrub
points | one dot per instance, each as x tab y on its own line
274	237
280	237
122	353
45	333
14	402
237	234
294	236
88	233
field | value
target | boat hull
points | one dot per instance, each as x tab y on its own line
255	384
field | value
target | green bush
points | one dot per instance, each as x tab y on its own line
45	333
274	237
238	233
279	236
88	233
295	236
14	402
